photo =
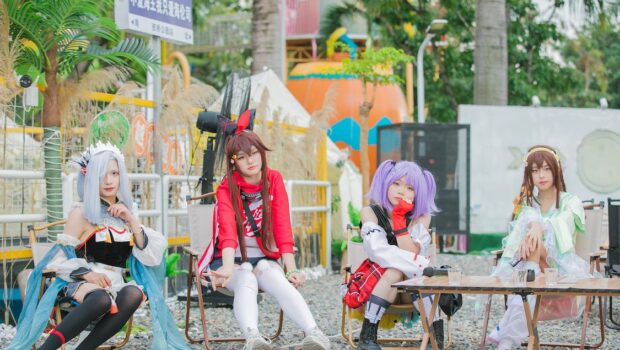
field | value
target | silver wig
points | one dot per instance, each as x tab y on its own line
88	184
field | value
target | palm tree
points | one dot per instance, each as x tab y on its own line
267	50
62	38
491	53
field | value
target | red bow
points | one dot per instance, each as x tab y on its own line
243	121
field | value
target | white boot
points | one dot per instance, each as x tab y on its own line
255	341
505	344
315	340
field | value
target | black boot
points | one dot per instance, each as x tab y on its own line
368	336
438	331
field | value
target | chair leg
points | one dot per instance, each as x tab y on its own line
609	315
279	329
201	307
485	323
586	346
190	283
122	342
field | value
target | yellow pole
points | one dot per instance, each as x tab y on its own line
322	176
184	63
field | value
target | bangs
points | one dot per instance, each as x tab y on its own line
541	157
244	142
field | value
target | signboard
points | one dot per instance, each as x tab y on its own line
168	19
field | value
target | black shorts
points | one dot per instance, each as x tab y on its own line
217	262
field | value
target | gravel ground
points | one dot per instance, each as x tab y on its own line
322	297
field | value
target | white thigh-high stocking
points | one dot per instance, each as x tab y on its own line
427	300
271	279
243	284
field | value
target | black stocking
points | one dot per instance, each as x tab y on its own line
95	304
128	300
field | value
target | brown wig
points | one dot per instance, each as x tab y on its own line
537	155
244	142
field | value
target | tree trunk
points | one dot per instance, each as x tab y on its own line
491	53
267	37
365	108
51	147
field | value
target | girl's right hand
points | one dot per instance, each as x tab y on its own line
220	278
100	279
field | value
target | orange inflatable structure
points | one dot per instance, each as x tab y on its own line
309	83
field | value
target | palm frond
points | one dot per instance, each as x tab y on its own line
129	50
26	23
337	14
79	15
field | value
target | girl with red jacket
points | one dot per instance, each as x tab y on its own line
254	231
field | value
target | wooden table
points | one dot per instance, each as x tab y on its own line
494	285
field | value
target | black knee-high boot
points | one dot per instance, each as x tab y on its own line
368	336
438	332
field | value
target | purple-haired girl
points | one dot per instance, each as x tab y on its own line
395	233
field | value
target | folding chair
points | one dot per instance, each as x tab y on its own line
355	256
201	219
612	265
594	217
39	249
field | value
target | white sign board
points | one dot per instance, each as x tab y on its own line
168	19
588	141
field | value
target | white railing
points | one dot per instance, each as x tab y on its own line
173	212
162	208
24	175
290	185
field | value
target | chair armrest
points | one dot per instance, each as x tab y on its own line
596	255
191	251
48	273
498	253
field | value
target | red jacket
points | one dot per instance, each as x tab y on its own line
280	215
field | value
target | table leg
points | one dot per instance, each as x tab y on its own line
432	318
532	341
584	326
427	329
535	319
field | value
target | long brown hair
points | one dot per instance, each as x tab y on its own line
537	155
244	142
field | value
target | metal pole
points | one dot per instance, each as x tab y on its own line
420	81
153	79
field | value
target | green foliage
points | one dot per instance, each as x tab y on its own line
354	215
214	68
375	65
596	55
69	32
336	199
449	71
172	269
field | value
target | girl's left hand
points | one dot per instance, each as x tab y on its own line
119	210
297	279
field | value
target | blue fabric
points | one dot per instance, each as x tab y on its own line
166	335
35	314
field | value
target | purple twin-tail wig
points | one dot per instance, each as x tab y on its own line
422	181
